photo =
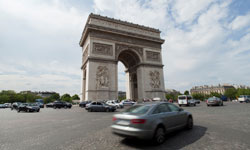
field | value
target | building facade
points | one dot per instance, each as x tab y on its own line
205	89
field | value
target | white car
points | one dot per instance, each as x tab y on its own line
114	103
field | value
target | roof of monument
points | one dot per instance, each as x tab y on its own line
98	22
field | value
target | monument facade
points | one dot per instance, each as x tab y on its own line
104	42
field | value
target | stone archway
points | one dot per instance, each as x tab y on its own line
104	42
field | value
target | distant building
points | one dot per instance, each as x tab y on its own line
45	94
121	94
42	94
241	86
205	89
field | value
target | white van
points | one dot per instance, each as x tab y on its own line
244	98
186	100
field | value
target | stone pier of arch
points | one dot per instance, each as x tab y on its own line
104	42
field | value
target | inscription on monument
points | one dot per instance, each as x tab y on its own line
153	56
102	77
102	49
155	79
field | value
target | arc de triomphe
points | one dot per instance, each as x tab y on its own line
104	42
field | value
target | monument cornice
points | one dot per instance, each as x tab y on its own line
144	32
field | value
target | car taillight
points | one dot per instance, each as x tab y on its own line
114	119
138	121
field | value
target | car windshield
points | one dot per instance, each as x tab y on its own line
138	109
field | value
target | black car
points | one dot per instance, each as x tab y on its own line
61	104
98	106
15	105
84	103
28	107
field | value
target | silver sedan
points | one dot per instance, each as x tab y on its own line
151	121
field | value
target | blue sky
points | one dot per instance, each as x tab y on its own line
206	41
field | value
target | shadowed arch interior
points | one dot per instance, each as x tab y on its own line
129	58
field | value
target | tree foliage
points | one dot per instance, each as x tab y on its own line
75	97
186	92
66	97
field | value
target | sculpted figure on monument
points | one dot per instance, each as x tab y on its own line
102	77
155	79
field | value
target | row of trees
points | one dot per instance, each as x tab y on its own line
231	94
11	97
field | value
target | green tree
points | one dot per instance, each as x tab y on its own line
55	96
75	97
231	93
186	92
48	100
4	99
215	94
66	97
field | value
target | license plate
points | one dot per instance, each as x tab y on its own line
123	122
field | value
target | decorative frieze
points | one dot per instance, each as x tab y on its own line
153	56
102	77
102	49
154	79
124	39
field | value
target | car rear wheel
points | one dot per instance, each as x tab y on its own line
54	107
38	110
159	136
190	123
107	110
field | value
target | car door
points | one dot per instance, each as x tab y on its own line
99	106
163	113
179	116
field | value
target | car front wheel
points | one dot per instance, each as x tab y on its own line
159	136
190	123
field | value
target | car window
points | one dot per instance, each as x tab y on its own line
173	108
94	103
182	97
161	108
138	109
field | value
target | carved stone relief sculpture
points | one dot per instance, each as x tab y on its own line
85	55
153	56
155	79
102	49
102	77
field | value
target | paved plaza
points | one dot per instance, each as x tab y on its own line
226	127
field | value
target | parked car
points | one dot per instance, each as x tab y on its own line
151	121
8	105
84	103
244	98
2	106
41	105
61	104
28	107
127	102
98	106
15	105
114	103
214	101
186	100
197	101
49	105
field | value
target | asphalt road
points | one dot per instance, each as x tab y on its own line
226	127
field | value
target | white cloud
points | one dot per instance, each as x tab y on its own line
240	22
